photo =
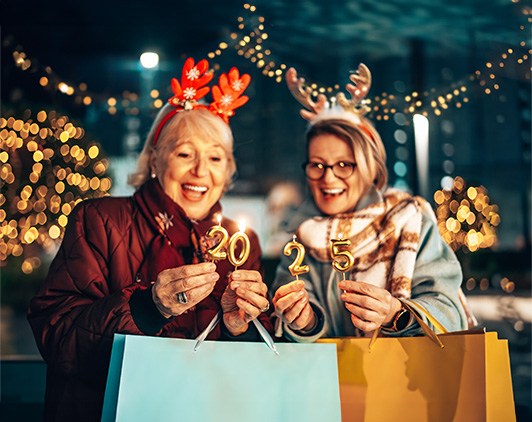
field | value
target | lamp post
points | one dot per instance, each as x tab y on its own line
149	63
421	133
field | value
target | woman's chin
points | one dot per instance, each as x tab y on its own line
334	207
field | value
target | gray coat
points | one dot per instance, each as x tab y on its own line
435	283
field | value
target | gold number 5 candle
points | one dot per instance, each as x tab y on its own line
339	249
217	252
295	267
244	254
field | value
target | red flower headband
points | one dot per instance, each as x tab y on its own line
227	96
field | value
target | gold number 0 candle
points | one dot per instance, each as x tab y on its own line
295	267
217	252
244	254
339	249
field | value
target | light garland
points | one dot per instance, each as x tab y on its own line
47	168
249	42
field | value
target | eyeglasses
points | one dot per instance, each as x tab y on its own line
341	169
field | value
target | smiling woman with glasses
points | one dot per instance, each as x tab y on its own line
392	236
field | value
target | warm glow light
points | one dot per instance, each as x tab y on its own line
93	152
149	60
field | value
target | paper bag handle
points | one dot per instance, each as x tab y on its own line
416	309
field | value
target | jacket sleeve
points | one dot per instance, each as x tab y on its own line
436	282
80	305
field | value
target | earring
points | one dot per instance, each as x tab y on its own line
153	175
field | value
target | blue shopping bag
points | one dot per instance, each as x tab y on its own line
164	379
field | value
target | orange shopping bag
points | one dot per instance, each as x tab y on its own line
414	379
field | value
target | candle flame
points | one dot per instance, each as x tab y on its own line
219	218
294	238
339	235
242	225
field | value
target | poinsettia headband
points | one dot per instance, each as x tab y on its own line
352	109
227	95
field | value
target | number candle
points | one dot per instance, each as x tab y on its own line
244	254
295	267
339	249
217	252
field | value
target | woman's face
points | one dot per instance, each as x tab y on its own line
331	194
194	174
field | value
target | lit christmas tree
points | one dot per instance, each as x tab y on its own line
48	166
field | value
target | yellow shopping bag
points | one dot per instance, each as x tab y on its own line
414	379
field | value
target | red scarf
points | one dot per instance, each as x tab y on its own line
179	241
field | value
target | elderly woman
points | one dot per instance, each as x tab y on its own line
139	265
392	237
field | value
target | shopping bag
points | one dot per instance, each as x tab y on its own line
463	376
164	379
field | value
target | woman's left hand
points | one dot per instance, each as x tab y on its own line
370	306
244	299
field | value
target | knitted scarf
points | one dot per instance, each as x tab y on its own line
384	240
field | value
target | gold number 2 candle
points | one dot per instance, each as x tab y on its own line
231	250
217	252
339	249
295	267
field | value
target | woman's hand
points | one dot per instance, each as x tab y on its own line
244	299
292	305
370	306
178	289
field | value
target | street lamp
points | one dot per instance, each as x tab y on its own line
149	60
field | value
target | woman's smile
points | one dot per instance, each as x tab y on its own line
332	193
193	192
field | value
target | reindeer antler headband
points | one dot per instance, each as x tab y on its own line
361	79
227	96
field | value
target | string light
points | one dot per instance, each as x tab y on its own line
249	40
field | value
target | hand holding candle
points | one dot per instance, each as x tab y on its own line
244	254
296	268
339	249
217	252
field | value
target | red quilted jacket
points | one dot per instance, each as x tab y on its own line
94	289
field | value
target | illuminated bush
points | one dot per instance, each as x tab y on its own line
465	217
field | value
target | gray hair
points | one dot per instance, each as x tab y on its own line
185	124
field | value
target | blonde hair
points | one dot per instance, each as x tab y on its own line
369	152
185	124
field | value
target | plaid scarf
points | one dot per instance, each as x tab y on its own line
384	240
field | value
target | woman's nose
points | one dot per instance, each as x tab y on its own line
329	175
200	167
